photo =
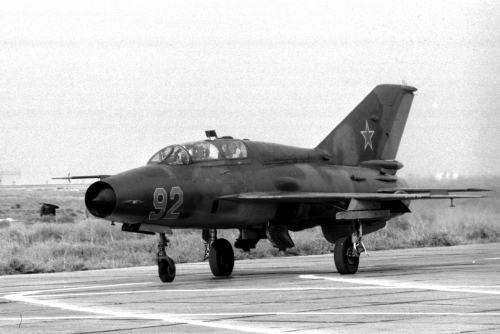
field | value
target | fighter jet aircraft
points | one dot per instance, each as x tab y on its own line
347	185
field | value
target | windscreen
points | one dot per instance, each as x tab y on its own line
171	155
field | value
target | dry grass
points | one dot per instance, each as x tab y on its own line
32	244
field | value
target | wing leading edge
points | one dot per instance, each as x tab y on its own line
430	190
312	197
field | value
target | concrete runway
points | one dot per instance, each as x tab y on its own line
427	290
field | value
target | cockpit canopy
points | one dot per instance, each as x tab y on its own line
185	154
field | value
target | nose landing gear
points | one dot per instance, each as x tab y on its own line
166	266
219	253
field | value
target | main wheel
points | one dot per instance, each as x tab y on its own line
346	265
166	270
221	258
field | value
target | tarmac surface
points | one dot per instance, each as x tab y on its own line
424	290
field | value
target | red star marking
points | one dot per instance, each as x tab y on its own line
367	134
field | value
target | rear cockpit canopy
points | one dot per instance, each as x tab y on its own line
206	150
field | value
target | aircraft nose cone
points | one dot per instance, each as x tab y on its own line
105	197
101	200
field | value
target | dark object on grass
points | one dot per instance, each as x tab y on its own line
48	209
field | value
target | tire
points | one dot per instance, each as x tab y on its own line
221	258
166	270
345	265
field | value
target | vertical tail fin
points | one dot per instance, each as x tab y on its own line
373	130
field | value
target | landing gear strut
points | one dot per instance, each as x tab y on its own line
166	266
219	253
348	250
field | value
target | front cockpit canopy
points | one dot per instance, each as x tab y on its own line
206	150
171	155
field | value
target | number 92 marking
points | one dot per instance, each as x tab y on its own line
160	203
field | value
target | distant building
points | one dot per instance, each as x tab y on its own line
9	176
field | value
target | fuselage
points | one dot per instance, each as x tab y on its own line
188	194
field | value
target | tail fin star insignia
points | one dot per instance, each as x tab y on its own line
368	136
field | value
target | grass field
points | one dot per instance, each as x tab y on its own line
31	244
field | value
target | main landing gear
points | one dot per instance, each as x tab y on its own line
166	266
348	250
219	253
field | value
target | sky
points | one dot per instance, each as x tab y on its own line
97	87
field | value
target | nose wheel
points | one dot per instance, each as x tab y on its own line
166	266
